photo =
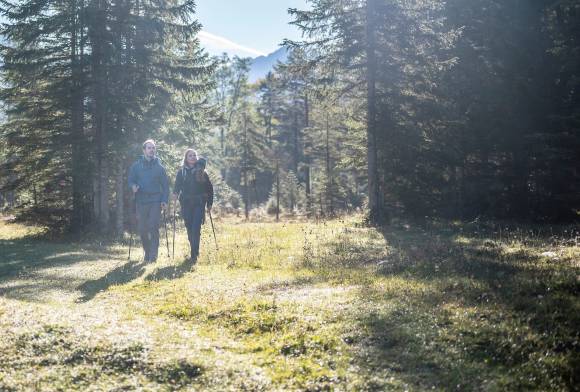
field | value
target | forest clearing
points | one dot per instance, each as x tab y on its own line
295	305
289	195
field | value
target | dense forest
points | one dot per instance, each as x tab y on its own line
405	109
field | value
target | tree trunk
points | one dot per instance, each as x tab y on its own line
120	202
375	209
296	154
277	190
223	172
329	187
79	169
245	171
306	157
99	81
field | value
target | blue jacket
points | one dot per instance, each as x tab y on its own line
151	179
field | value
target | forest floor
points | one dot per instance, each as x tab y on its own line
328	305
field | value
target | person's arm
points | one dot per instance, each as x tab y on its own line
132	178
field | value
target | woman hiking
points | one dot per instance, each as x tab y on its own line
195	191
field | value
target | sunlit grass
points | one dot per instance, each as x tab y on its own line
12	231
331	305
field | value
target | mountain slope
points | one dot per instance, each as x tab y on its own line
264	64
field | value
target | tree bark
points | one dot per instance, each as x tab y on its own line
79	167
375	209
329	187
245	171
120	199
99	81
277	190
306	156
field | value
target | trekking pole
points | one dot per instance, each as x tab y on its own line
166	238
213	229
174	218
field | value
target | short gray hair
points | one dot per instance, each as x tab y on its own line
148	141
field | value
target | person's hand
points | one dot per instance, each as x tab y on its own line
135	188
163	206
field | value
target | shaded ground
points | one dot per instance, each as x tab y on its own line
303	306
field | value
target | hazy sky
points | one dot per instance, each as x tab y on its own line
246	28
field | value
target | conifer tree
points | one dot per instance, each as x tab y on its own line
84	83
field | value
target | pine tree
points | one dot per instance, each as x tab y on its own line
390	51
42	65
83	105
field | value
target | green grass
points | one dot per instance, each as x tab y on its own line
329	305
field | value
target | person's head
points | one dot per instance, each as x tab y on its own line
149	148
190	157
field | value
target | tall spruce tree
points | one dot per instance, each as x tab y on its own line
383	45
42	73
77	107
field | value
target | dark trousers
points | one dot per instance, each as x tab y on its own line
148	217
193	213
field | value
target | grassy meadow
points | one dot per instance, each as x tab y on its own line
295	305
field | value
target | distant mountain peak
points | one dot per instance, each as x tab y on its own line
263	64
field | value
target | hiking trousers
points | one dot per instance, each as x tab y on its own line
148	217
193	213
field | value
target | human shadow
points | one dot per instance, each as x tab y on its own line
171	272
120	275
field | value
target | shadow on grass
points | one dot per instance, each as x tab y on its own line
28	261
171	272
401	344
492	270
19	254
458	310
120	275
495	315
23	255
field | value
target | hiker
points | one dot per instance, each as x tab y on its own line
195	191
150	185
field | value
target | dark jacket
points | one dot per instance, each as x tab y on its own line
193	188
152	180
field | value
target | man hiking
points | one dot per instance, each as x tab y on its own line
195	192
150	185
